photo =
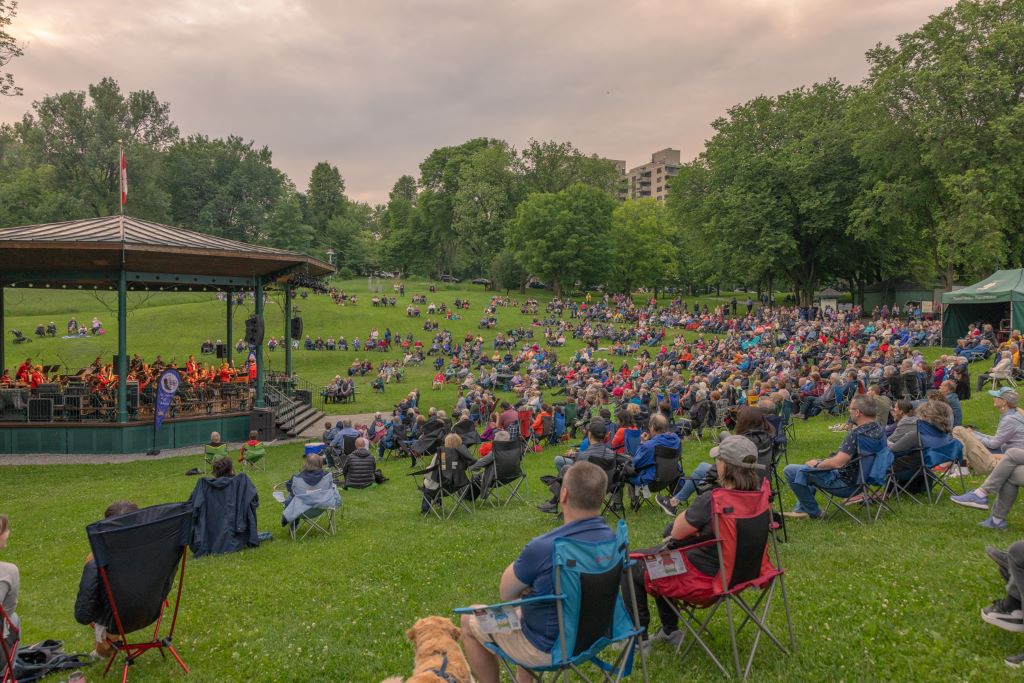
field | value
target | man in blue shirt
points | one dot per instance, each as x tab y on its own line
581	497
643	461
948	389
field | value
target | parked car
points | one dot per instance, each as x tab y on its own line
482	281
448	278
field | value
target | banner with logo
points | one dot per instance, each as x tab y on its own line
166	388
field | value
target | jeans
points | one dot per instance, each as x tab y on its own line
561	462
687	487
1005	481
828	479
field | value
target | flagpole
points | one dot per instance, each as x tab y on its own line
121	195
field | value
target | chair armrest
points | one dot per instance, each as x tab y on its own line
511	603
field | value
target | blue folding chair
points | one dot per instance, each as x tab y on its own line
938	448
632	438
591	612
874	463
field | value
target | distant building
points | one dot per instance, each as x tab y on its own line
651	180
620	166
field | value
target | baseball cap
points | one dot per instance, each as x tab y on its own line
1008	394
597	428
738	451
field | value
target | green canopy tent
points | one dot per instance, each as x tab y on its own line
996	298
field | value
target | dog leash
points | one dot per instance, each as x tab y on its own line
443	671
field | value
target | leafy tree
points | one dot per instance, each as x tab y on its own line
325	196
780	182
404	241
351	235
225	187
553	166
642	251
286	226
562	237
78	136
507	273
485	199
945	147
9	48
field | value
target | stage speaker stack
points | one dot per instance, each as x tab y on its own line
254	331
262	420
222	351
296	328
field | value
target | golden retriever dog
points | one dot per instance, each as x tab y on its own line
434	638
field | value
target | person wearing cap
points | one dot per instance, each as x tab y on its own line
834	472
983	452
736	464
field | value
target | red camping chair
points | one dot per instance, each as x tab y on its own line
526	428
745	541
8	648
138	555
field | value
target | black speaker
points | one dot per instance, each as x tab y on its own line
296	327
254	331
262	421
115	365
222	351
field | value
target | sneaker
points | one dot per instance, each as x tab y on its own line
1014	661
673	638
800	514
549	507
665	503
1000	557
991	523
1006	614
854	500
971	500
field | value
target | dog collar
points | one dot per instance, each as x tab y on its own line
443	671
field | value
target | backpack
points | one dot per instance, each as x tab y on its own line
33	662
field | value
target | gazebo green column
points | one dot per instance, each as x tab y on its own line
229	344
288	330
3	332
122	347
259	347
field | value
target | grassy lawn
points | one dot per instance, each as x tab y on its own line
895	601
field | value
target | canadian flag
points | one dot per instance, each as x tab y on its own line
124	180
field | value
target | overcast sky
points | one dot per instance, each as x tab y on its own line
374	86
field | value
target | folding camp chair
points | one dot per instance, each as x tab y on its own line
252	457
526	427
10	636
788	425
938	453
668	464
748	557
138	555
873	463
616	484
632	441
547	431
570	414
310	508
467	432
453	482
505	474
591	611
212	453
394	441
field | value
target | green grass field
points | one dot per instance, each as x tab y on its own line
896	601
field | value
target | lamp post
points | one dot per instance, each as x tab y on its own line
331	254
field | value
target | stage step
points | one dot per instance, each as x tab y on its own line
314	419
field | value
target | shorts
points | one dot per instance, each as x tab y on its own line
514	644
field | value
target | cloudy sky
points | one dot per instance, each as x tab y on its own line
373	86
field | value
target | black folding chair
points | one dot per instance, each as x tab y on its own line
668	464
504	474
454	483
138	555
616	483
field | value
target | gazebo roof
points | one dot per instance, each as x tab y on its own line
91	252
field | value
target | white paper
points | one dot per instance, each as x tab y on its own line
497	619
665	564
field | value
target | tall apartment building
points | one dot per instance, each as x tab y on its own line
651	180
